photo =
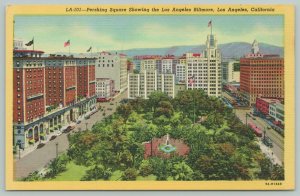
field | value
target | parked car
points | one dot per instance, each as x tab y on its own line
58	133
40	145
111	103
267	141
78	121
53	137
109	108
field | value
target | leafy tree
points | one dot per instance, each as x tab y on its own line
80	145
125	110
34	176
57	166
161	121
266	168
277	173
96	173
164	108
220	148
125	158
205	164
181	171
161	167
129	174
145	132
214	121
138	104
155	98
146	168
227	148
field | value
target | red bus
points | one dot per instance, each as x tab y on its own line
257	131
103	99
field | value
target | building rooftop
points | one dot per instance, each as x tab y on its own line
270	100
28	51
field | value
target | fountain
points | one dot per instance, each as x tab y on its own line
167	148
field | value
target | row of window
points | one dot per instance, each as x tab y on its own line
103	65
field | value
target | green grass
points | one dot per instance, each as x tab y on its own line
116	175
73	173
76	172
170	178
146	178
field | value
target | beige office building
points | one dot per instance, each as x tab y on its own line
147	81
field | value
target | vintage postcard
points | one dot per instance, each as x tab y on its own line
150	97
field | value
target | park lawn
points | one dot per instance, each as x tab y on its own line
146	178
170	178
73	173
116	175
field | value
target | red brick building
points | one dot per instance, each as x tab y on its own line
45	91
28	87
261	75
60	80
70	83
262	105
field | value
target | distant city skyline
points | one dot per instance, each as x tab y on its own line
128	32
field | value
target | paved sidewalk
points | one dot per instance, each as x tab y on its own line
268	152
22	153
39	158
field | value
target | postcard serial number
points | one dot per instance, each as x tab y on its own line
273	183
75	9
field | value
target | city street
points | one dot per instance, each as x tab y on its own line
39	158
277	140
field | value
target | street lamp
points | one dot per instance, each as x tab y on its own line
20	145
56	149
247	118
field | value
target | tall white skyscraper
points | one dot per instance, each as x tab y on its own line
205	69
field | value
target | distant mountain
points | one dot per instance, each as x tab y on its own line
228	50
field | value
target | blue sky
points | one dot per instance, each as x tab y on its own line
125	32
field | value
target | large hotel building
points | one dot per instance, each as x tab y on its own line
261	76
49	94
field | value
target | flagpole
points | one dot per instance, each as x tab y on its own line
194	100
211	27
